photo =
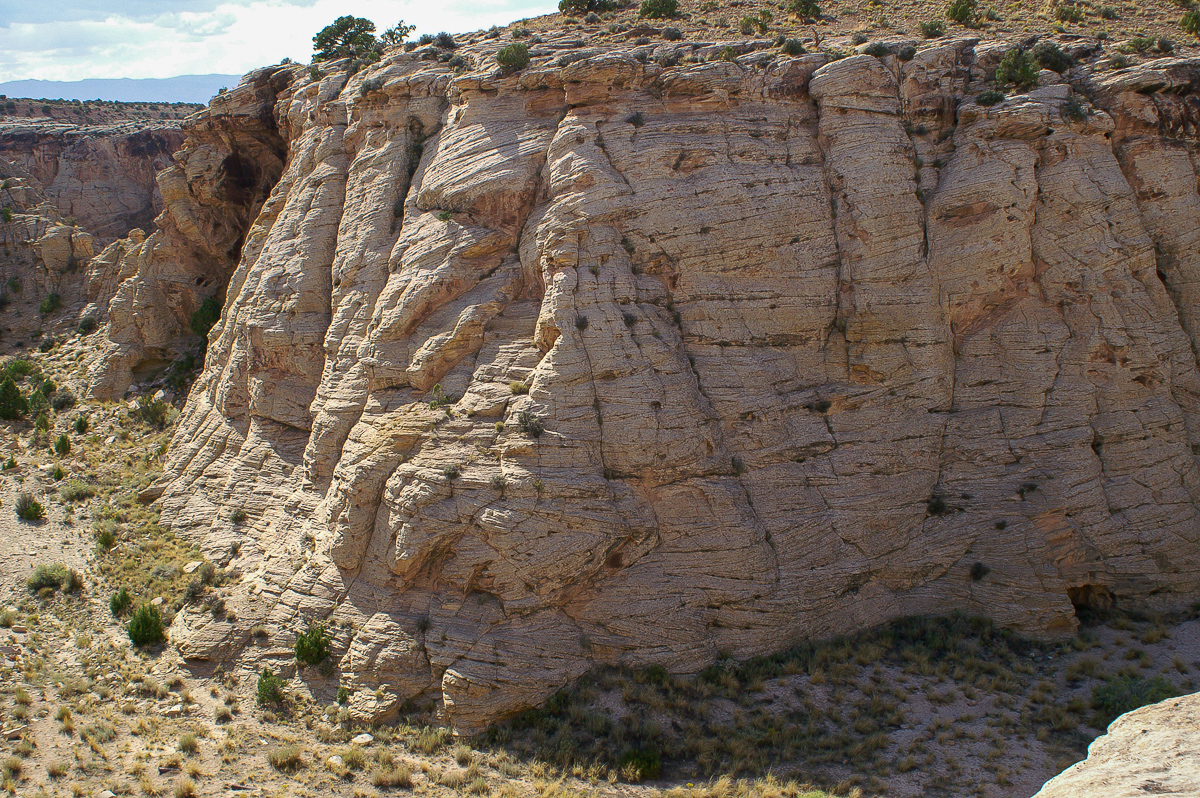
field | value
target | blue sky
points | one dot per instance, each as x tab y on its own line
74	39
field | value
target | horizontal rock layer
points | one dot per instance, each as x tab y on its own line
103	176
809	346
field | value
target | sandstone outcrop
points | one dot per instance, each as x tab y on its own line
101	176
611	361
1150	751
147	288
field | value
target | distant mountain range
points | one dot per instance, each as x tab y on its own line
181	89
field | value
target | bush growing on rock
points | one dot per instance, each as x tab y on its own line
205	317
1050	56
63	400
346	37
1017	68
530	423
145	628
62	446
513	58
51	303
270	688
989	97
792	47
312	646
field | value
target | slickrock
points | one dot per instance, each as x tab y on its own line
616	362
1150	751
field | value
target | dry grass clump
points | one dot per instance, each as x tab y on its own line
286	758
391	776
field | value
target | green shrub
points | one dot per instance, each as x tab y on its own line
343	694
153	412
1074	110
54	577
1126	693
513	58
51	303
530	423
1190	22
29	508
346	37
792	47
659	9
145	628
672	34
1108	12
877	49
13	404
14	285
312	646
205	317
19	368
906	53
858	38
62	445
805	9
270	688
120	602
1017	68
1050	56
964	12
81	424
63	400
43	421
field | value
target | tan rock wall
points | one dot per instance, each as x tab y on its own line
808	341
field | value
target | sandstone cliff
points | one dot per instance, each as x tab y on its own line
101	175
214	189
636	359
1150	751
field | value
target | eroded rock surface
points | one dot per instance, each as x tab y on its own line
1150	751
147	289
617	362
101	176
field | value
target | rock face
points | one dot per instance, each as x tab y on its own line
1150	751
147	289
102	175
618	362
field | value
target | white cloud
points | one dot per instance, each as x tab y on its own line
232	37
